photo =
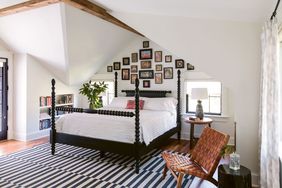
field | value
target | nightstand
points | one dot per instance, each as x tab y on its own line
192	122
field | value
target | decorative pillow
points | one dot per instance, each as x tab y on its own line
131	104
166	104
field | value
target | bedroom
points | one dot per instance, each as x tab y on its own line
221	40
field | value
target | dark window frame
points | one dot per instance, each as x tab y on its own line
207	113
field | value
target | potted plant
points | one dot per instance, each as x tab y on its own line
92	90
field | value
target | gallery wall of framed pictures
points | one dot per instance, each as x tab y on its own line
152	65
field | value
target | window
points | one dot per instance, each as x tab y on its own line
108	96
211	105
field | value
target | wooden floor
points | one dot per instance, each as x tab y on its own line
11	146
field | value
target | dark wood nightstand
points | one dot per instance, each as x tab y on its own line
228	178
192	122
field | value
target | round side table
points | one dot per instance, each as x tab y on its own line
192	122
228	178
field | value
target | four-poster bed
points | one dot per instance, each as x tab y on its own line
136	149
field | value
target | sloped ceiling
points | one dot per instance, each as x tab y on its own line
70	43
39	33
235	10
91	43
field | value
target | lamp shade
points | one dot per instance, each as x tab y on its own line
199	93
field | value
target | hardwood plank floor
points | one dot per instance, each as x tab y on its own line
11	146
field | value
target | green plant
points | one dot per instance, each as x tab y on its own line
92	90
227	150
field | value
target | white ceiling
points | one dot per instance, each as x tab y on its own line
238	10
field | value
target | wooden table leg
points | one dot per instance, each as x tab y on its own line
209	125
191	135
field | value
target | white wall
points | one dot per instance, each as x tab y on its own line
20	96
226	50
32	81
223	123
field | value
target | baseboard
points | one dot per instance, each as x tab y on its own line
255	180
19	136
38	134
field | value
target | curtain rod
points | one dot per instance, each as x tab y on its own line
275	10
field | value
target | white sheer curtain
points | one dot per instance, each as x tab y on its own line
269	107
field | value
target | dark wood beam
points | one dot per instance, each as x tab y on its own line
83	5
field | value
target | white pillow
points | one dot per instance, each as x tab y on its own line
119	102
165	104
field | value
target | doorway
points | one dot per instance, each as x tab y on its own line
3	98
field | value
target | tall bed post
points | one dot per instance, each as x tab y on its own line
53	128
137	126
178	121
116	87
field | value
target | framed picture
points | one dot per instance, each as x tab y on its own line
158	78
158	56
190	66
146	64
168	73
125	74
109	68
168	58
125	61
159	67
145	54
179	63
133	78
134	68
116	65
146	74
134	57
146	83
146	44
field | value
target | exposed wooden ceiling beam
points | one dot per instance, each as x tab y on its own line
83	5
32	4
100	12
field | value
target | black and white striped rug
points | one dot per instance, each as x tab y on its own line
80	167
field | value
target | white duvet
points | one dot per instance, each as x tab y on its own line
122	129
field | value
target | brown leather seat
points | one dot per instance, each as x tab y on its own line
203	160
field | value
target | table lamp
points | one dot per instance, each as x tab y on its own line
199	94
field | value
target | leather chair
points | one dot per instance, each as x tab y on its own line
203	160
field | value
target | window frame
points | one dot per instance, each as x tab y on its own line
187	98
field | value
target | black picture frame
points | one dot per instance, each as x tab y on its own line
134	57
134	68
133	78
158	78
125	74
125	61
168	73
109	68
146	44
190	66
168	58
146	74
158	56
116	65
146	84
146	64
179	63
159	67
145	54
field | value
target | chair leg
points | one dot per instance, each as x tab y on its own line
179	180
165	171
213	181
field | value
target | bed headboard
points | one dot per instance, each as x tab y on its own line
147	93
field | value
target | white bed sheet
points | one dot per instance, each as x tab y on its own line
152	124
